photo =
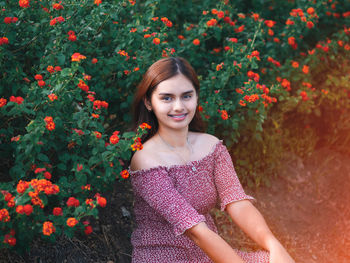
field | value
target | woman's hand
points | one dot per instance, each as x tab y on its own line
278	254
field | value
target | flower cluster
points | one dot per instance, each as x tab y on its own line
50	125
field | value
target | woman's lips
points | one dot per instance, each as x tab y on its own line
178	116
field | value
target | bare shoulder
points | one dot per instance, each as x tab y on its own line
144	159
205	140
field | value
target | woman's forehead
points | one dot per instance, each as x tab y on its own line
176	84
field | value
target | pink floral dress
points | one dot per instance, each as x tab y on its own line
171	199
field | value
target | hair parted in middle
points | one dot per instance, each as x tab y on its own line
159	71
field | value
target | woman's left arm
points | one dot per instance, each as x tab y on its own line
250	220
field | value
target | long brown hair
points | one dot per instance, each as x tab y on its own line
159	71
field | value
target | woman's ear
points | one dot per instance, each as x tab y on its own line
147	104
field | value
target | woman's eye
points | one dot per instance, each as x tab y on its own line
188	96
166	98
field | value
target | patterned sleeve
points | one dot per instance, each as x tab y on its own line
227	183
157	189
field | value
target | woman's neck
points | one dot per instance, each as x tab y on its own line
174	138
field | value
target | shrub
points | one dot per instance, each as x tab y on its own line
63	65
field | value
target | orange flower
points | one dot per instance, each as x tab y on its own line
27	209
224	114
239	29
310	10
270	32
295	64
242	103
114	139
3	102
24	3
196	42
219	66
96	116
50	69
212	22
77	57
269	23
145	126
137	145
124	174
48	228
255	16
71	222
97	134
4	40
52	97
289	22
57	6
22	186
97	2
82	85
306	69
156	41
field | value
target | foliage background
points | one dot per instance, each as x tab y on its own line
252	93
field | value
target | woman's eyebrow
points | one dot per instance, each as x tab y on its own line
190	91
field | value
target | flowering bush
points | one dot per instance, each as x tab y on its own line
69	71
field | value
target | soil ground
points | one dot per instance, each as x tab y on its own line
306	207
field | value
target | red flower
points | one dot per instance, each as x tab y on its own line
97	134
156	41
305	69
88	230
38	77
101	201
2	102
114	139
39	170
124	174
72	202
57	68
41	83
50	69
57	6
57	211
239	29
309	24
224	114
18	100
292	43
47	175
28	209
4	40
269	23
196	42
24	3
304	96
4	215
82	85
97	2
72	38
79	167
94	61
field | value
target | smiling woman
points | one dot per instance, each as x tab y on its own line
181	174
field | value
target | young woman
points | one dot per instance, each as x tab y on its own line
181	174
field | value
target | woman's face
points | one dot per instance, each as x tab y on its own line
174	102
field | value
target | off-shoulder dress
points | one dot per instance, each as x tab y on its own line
171	199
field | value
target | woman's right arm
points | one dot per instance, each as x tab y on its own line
212	244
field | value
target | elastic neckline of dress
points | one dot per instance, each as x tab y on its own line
166	167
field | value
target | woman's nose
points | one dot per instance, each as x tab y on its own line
178	105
